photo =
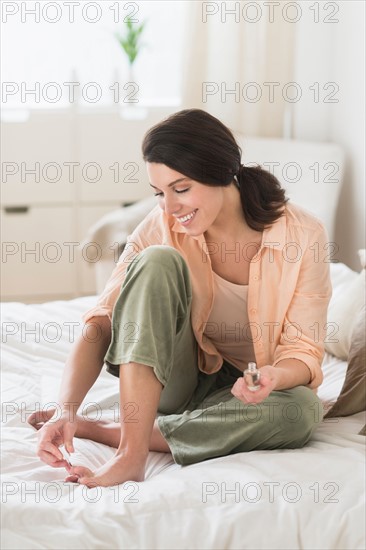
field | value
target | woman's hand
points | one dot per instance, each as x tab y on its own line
54	429
268	381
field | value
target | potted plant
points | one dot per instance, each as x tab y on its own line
130	42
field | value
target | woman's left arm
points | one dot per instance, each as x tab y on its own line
290	373
299	353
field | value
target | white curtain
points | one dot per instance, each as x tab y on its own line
248	51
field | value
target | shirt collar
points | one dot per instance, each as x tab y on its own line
275	235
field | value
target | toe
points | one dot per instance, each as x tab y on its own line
72	478
90	482
81	471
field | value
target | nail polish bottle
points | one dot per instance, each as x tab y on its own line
252	377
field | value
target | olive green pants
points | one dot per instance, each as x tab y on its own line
197	414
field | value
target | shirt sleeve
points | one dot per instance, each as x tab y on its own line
108	298
304	328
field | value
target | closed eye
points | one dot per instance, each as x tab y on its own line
161	194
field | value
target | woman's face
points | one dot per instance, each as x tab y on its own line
196	206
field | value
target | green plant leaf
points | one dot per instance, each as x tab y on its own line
130	41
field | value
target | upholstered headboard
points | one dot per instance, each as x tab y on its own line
310	172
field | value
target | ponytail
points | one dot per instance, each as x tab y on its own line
262	197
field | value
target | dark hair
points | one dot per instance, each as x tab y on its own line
198	145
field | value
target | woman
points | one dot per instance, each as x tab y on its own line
222	272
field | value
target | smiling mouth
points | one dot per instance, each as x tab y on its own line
184	219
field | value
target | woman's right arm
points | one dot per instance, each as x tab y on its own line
81	370
86	359
84	364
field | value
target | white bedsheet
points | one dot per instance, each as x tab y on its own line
290	499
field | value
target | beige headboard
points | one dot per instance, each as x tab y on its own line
311	172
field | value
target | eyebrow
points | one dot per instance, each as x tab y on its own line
172	183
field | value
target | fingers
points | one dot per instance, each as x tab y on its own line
69	431
50	460
241	391
50	437
49	453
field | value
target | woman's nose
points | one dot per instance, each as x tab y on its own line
171	205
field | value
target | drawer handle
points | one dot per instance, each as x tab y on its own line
16	209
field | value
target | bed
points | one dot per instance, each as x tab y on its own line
303	498
310	498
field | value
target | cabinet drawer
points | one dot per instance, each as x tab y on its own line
38	252
37	158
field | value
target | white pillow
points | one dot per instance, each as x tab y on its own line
347	300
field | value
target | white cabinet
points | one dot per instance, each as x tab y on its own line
61	172
38	255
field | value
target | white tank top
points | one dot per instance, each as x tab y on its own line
228	324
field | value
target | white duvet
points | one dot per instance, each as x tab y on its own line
310	498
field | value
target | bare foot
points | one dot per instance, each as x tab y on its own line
117	470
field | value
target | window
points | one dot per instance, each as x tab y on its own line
58	53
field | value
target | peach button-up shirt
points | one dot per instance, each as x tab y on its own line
288	293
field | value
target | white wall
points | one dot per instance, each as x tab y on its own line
347	127
335	53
